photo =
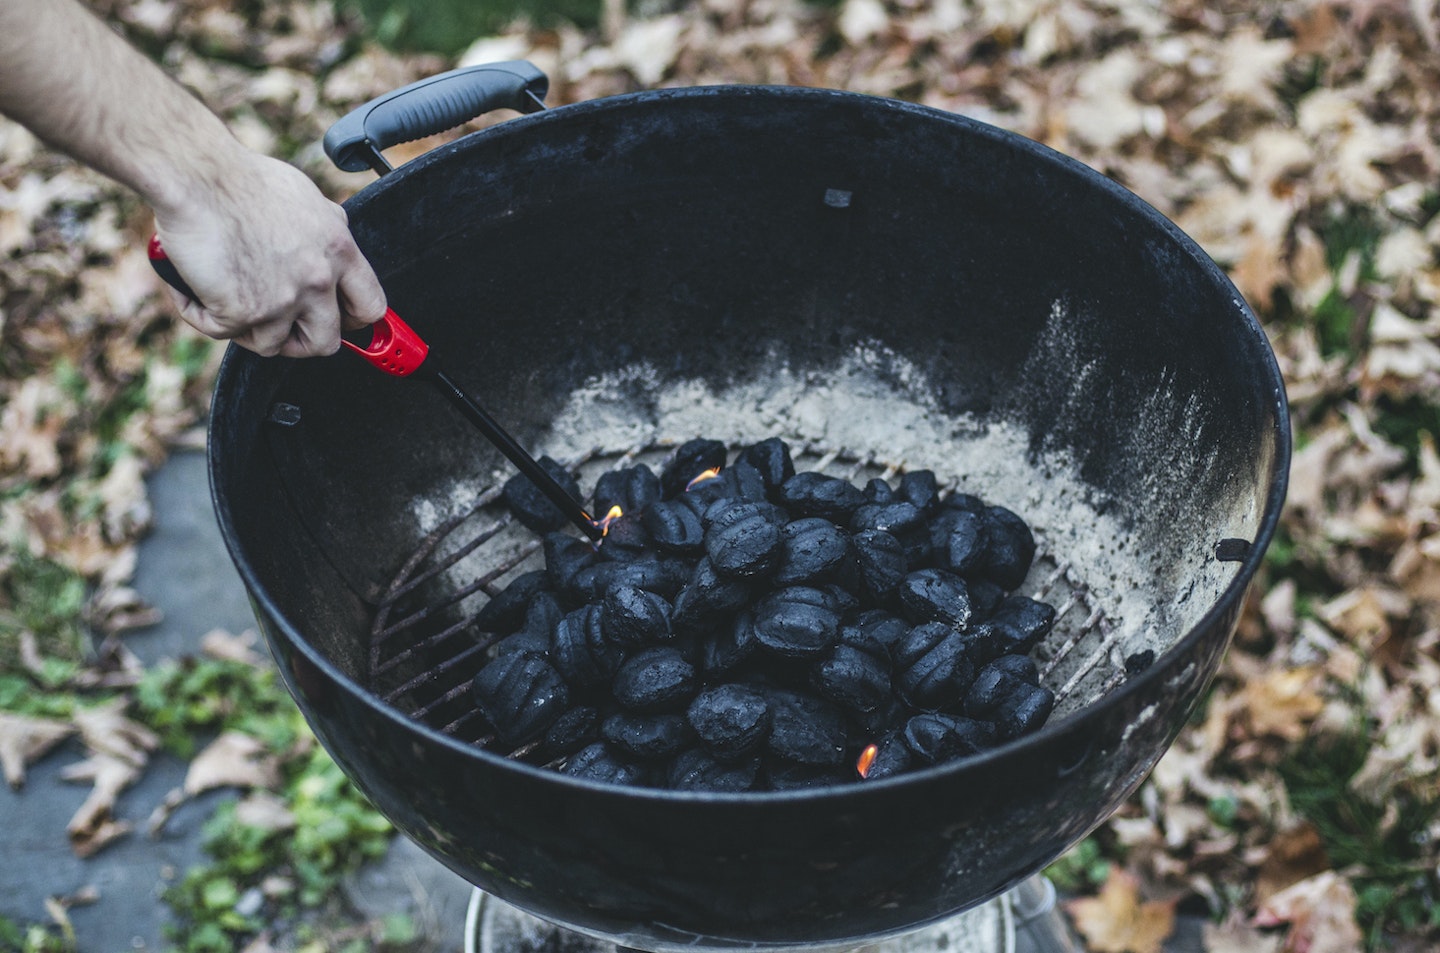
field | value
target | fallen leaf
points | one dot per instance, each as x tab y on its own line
1117	921
1234	935
1281	704
234	759
222	645
1320	912
1291	856
94	825
25	739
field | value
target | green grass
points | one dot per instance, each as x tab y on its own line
336	830
1385	856
449	26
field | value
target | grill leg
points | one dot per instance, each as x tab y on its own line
1040	925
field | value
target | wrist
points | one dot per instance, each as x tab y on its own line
189	172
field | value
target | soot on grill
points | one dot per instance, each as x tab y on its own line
753	628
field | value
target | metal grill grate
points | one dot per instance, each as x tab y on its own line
424	650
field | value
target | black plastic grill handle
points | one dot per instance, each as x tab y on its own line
432	105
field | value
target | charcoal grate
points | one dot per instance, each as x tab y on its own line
424	651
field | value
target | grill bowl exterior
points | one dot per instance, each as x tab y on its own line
689	230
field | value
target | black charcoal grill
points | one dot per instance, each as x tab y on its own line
887	287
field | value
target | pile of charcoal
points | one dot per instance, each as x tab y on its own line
747	627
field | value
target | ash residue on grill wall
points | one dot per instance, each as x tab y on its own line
743	626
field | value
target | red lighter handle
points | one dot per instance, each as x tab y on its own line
394	346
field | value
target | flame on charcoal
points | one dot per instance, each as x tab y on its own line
867	758
610	517
704	475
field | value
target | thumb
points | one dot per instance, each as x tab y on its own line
361	299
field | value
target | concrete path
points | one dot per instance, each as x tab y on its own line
185	571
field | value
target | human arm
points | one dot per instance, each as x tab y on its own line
268	255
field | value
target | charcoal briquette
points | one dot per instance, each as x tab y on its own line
580	651
706	597
730	720
985	597
920	488
520	695
806	730
994	687
815	494
661	576
626	539
935	739
722	486
898	518
728	512
958	540
566	555
797	622
1020	666
598	762
1011	548
892	757
935	595
744	543
876	631
526	640
633	617
696	770
631	489
852	679
841	601
541	616
878	491
749	483
963	501
1025	712
932	668
891	712
675	527
1137	662
506	612
646	737
770	460
691	459
880	564
728	646
529	503
811	550
573	730
655	680
1022	622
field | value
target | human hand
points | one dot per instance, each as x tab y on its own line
270	259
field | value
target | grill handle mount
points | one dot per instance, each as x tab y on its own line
427	106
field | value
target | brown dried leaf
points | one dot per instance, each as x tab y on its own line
1291	856
220	644
234	759
1117	921
1281	704
1234	935
25	739
1320	913
93	824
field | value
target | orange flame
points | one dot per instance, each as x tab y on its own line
610	517
866	760
709	474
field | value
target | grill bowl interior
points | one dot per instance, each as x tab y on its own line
863	276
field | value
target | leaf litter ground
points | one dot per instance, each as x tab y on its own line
1297	141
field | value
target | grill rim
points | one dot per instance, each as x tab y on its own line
1175	656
